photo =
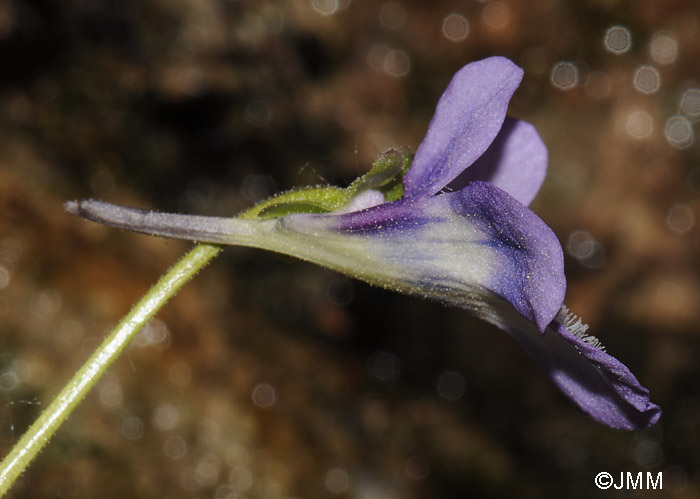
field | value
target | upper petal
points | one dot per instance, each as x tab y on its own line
516	161
468	117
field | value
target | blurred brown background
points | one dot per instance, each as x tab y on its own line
271	378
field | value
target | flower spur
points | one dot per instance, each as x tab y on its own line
450	224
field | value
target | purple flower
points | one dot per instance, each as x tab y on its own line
461	233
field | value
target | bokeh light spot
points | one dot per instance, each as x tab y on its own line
647	79
337	480
392	15
384	366
8	381
241	478
264	395
325	7
564	75
4	277
455	27
179	374
271	19
46	303
417	467
10	250
640	124
207	470
690	104
663	48
598	84
647	453
376	54
22	369
225	491
131	427
451	385
155	334
175	447
188	479
679	132
397	63
110	392
258	112
165	417
617	40
237	455
680	219
340	291
586	249
496	15
675	479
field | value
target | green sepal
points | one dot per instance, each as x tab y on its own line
281	209
318	199
394	193
393	190
386	176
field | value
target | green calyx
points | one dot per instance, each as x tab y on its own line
385	176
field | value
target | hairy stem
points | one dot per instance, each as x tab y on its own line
60	408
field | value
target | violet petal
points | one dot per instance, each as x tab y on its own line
460	248
598	383
468	117
533	281
516	161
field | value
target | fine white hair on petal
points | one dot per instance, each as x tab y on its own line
577	327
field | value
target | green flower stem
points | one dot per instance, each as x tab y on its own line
43	428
